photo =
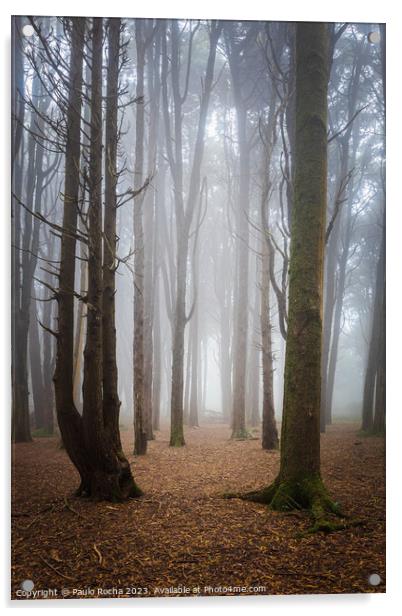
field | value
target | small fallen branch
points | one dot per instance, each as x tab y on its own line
63	575
99	555
70	508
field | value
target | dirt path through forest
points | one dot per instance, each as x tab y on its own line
181	532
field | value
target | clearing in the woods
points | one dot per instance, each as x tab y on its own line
182	533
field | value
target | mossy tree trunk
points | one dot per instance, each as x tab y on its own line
298	484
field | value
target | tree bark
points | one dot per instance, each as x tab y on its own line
69	420
269	430
90	440
184	218
299	483
35	357
140	435
375	346
111	401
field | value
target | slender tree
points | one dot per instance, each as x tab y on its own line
140	420
184	211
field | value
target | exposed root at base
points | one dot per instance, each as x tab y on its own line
308	494
241	435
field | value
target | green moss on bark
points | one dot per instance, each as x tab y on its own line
177	437
240	435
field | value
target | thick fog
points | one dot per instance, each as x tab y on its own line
242	206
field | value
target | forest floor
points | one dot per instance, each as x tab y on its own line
182	537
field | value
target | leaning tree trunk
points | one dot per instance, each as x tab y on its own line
299	483
69	420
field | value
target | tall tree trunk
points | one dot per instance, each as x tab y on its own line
92	410
157	343
111	401
184	218
375	344
337	317
20	395
69	420
242	262
329	305
299	483
140	435
153	80
35	358
90	440
334	293
269	430
48	357
80	332
254	363
194	398
380	388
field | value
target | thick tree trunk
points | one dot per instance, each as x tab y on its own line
69	420
299	483
92	410
89	440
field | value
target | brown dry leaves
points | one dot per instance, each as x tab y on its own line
183	533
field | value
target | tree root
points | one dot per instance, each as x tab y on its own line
308	494
241	435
